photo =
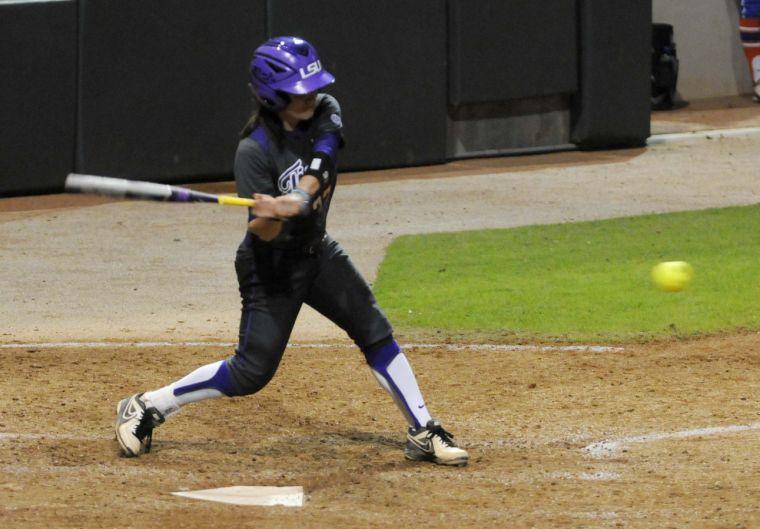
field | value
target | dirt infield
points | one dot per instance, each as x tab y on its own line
323	423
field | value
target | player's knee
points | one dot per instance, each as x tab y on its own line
249	383
371	331
249	378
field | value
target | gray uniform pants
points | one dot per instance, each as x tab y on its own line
273	286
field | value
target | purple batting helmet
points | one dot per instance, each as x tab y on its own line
286	65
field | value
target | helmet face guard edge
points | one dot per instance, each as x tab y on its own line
286	65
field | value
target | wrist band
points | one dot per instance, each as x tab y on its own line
305	206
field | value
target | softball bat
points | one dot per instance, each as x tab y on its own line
122	188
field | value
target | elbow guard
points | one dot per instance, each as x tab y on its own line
321	167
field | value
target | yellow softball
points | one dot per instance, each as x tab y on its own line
672	276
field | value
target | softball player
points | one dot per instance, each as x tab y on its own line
286	161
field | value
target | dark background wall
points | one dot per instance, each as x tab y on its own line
157	90
612	106
162	85
512	71
509	50
389	59
38	59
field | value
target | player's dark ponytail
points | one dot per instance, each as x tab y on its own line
270	120
250	124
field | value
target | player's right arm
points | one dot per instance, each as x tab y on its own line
253	177
265	229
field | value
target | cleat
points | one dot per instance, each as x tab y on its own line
134	425
432	443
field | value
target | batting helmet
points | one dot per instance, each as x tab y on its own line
286	65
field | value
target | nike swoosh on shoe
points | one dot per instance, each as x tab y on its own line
130	412
427	446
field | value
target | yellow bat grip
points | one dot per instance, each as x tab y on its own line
235	201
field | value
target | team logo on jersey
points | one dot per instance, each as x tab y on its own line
311	69
289	179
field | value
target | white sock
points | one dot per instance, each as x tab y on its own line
203	383
398	379
163	400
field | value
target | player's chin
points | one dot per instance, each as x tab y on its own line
303	115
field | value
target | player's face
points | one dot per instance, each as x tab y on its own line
301	107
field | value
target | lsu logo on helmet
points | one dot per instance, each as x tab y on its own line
311	69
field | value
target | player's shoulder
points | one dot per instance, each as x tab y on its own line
327	113
327	103
253	151
257	143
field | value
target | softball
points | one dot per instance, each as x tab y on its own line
672	276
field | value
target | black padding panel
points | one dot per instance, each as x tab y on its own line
163	85
613	107
509	50
37	95
389	59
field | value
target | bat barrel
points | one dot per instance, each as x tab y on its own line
117	187
122	188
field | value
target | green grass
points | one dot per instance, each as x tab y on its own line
584	281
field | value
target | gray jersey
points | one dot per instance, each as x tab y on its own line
272	165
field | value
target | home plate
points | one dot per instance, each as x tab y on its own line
245	495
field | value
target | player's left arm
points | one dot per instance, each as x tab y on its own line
322	171
317	183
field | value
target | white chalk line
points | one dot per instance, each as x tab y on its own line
52	436
446	346
609	448
658	139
